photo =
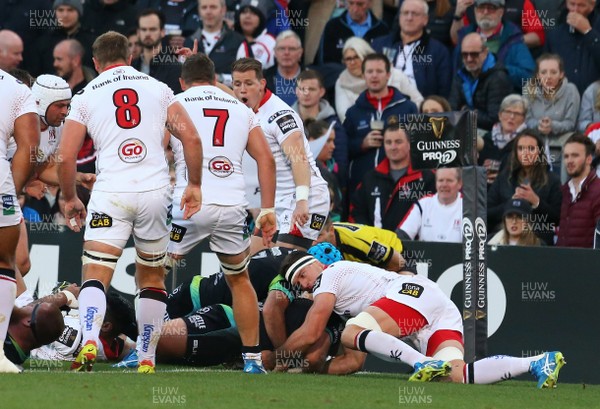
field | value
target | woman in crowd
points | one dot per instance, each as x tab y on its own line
498	143
351	83
434	104
554	105
527	177
250	22
517	230
589	113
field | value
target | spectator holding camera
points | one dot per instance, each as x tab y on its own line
527	177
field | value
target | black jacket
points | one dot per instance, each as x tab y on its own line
378	197
493	85
544	218
336	33
44	63
164	67
224	52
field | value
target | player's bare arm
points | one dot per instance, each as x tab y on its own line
27	136
293	148
47	172
259	149
350	361
314	325
70	144
274	317
181	126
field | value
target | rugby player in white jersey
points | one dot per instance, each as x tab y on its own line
302	195
125	112
19	119
230	128
384	307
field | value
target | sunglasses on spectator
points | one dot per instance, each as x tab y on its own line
470	54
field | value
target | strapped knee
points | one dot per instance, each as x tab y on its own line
232	269
364	320
153	261
449	354
99	258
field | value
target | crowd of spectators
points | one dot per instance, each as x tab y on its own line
357	70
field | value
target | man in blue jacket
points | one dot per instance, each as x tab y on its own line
503	39
481	84
424	60
375	108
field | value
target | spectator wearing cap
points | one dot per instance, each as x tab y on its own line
277	16
423	59
580	210
11	50
527	177
377	107
258	43
517	229
215	38
100	16
503	39
357	21
481	84
577	41
524	14
387	192
68	14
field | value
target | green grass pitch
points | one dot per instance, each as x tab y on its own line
176	387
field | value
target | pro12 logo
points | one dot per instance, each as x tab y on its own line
220	166
132	151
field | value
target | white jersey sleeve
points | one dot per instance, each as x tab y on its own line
278	121
355	285
125	113
66	347
17	100
224	124
411	224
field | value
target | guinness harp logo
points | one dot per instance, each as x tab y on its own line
437	124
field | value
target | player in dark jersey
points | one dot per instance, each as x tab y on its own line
200	291
209	337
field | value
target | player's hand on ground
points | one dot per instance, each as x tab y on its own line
86	180
267	223
300	215
191	202
75	214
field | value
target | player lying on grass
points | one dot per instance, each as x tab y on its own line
210	336
384	307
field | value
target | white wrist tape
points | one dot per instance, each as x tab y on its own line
302	193
263	212
71	299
